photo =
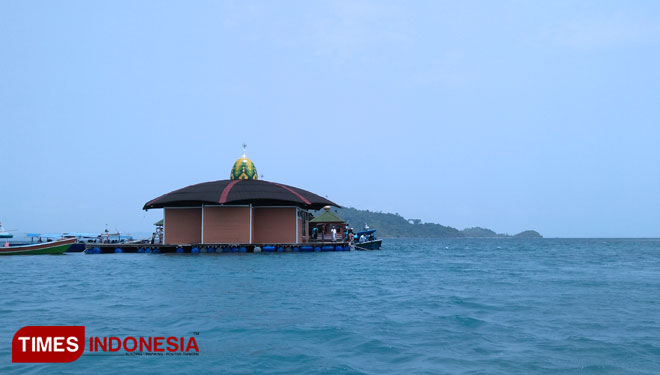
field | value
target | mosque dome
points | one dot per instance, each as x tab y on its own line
244	169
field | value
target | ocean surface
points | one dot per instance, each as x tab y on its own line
418	306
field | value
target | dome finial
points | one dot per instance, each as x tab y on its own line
244	148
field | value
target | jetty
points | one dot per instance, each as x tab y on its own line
114	248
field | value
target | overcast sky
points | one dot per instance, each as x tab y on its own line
509	115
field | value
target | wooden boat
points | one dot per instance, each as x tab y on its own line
82	238
54	247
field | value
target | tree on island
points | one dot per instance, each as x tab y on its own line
395	225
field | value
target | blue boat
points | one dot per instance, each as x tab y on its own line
366	240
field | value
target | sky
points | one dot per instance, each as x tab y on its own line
510	115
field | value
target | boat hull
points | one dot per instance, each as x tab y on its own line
369	245
55	247
76	248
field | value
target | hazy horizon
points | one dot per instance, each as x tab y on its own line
509	115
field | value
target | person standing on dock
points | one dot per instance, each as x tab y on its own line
334	233
315	233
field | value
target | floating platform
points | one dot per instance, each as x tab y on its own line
134	248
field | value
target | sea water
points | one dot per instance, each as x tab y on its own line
454	306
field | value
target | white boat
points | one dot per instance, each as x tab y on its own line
4	233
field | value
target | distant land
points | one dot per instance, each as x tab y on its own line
395	225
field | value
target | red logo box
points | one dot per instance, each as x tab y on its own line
55	344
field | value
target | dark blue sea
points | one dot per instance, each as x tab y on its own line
459	306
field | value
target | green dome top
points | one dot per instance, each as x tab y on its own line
244	169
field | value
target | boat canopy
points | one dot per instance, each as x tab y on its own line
77	235
45	235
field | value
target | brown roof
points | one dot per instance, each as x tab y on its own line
234	192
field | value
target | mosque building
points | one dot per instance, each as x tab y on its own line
240	210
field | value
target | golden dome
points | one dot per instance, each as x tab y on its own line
243	169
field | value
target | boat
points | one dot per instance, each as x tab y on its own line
366	240
4	233
82	238
53	247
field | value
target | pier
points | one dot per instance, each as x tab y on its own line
135	248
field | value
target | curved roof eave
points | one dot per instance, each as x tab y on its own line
191	204
235	192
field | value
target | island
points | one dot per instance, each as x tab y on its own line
395	225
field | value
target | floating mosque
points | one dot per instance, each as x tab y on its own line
242	213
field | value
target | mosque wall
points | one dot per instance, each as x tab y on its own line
227	224
274	224
183	225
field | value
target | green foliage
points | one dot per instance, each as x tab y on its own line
528	234
394	225
480	232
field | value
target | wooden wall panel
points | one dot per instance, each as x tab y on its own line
274	225
183	225
226	224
